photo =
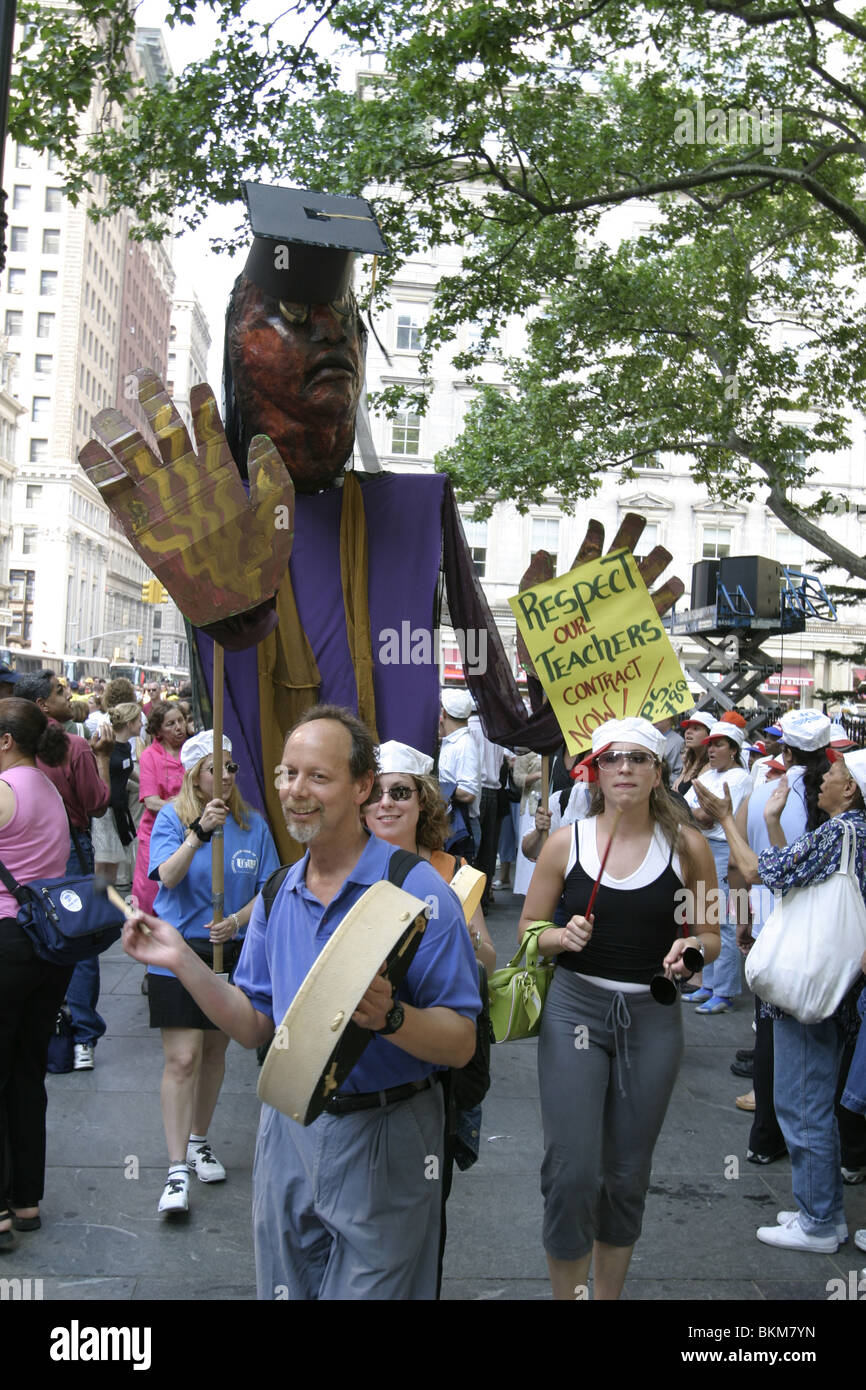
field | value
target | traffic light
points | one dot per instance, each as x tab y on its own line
153	592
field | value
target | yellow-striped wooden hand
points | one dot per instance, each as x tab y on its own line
218	552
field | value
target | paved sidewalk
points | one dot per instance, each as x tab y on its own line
102	1238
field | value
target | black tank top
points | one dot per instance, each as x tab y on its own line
634	927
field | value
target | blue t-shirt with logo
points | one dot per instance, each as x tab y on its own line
250	857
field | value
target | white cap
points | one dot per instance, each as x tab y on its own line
458	703
805	729
198	747
700	716
400	757
723	728
855	762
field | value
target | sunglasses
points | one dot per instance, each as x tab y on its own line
616	759
399	792
227	767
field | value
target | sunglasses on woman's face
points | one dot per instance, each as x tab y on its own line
227	767
609	760
399	792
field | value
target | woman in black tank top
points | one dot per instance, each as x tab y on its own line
601	1030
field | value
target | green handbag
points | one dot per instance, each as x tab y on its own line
517	992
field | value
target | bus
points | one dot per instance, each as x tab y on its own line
142	675
72	668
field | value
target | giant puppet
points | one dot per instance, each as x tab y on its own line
369	548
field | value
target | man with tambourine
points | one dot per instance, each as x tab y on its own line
346	1207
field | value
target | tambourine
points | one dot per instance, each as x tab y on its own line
317	1044
468	884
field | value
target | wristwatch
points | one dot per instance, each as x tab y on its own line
393	1020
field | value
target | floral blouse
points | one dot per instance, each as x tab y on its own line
812	859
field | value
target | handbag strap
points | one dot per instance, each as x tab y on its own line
529	944
848	857
15	888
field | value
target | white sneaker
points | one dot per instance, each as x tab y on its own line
791	1236
860	1239
207	1168
841	1230
83	1060
175	1194
853	1175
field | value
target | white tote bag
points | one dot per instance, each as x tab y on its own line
807	955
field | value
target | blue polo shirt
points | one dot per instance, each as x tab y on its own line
249	857
278	953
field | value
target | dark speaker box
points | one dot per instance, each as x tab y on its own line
759	578
705	574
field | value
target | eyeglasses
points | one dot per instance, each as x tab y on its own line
608	760
227	767
399	792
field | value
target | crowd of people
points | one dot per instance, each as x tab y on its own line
647	818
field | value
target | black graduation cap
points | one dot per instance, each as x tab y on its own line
305	242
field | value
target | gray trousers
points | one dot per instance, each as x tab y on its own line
349	1207
607	1063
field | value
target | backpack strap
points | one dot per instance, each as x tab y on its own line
271	887
401	863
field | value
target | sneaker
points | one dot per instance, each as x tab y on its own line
175	1194
853	1175
791	1236
200	1157
743	1069
841	1230
860	1239
699	996
764	1159
83	1057
718	1004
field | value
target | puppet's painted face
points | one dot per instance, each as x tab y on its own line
298	371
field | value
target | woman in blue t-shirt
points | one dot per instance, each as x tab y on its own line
180	861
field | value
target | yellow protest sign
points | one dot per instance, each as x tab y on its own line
599	647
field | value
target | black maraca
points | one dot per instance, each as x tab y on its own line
665	990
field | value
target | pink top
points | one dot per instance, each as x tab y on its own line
159	775
35	842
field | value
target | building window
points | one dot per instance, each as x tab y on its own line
716	543
476	538
28	542
53	162
44	325
48	282
154	653
51	241
406	433
790	549
649	539
18	238
38	454
23	157
21	196
16	281
54	200
41	412
649	461
34	490
409	327
43	363
545	536
157	618
14	323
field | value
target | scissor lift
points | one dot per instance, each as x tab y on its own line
732	636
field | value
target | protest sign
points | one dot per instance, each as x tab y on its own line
599	647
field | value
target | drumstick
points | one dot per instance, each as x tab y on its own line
616	815
102	885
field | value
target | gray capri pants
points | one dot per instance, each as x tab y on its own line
349	1207
598	1142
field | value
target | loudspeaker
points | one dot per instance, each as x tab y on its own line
705	574
760	580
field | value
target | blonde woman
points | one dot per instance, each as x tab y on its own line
180	862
